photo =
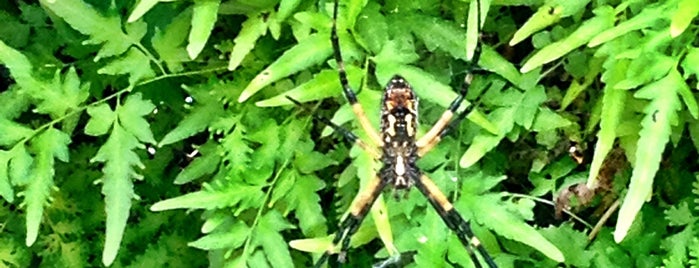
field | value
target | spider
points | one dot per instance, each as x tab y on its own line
398	148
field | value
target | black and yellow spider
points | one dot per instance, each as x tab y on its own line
398	148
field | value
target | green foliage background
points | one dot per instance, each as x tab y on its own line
152	134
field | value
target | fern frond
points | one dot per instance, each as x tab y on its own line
50	144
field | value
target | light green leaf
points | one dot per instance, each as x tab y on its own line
661	116
20	165
101	120
253	28
324	85
431	232
371	28
529	106
647	18
267	234
310	51
168	43
141	8
492	61
547	120
135	64
690	64
647	67
545	16
572	243
101	29
61	97
439	34
686	11
232	237
304	199
131	117
236	195
485	141
489	211
50	144
119	161
19	66
475	14
202	165
204	16
6	190
201	117
286	7
604	19
612	108
13	132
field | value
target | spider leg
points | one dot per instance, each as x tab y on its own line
346	89
351	137
358	211
445	122
454	221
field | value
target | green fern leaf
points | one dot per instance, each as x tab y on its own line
253	28
207	163
661	115
505	218
372	29
679	215
14	254
134	63
206	111
6	190
101	120
141	9
12	132
304	199
431	238
20	165
310	51
119	158
484	142
131	118
231	237
646	18
323	85
690	63
267	234
105	30
603	20
236	195
19	66
677	246
59	97
527	109
240	158
168	43
438	34
571	242
203	18
612	108
50	144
